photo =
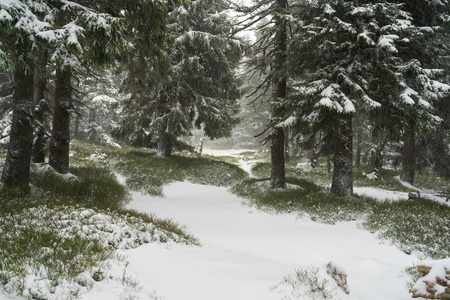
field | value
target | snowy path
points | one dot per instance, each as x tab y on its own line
244	251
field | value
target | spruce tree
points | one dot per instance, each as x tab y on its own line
348	57
80	36
21	22
268	60
422	75
338	49
192	84
41	107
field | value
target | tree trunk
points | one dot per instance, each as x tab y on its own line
16	171
312	153
60	140
76	130
40	82
358	148
200	146
295	149
92	116
286	145
378	161
409	157
277	174
164	144
441	156
342	173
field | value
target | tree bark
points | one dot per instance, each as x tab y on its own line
409	157
40	82
378	161
164	144
16	171
277	174
342	173
358	148
286	145
60	140
76	129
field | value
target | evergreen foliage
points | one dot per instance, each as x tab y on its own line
347	58
193	83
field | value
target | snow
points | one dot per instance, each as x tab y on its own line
103	100
228	152
4	15
365	36
380	194
438	269
387	42
288	122
426	194
406	96
244	251
362	10
372	176
329	10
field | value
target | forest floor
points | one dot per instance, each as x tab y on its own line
235	240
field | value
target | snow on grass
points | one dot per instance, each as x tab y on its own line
42	168
380	194
426	194
227	152
245	252
63	252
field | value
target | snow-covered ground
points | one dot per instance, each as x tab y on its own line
245	252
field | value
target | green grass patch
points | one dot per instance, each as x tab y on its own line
147	172
297	168
387	179
430	182
305	198
44	246
413	226
261	169
92	186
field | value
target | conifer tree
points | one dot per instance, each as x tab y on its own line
41	106
20	21
193	83
347	57
80	35
422	76
268	59
74	34
339	48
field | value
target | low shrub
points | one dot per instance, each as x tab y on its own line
303	197
92	186
413	225
147	172
307	283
